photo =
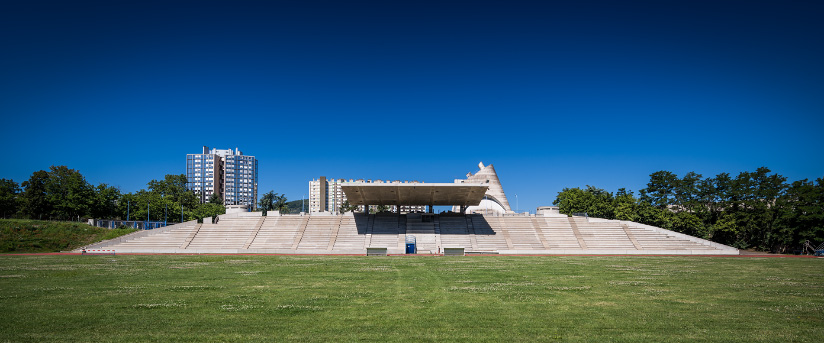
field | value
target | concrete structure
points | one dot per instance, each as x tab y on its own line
549	211
355	233
499	231
225	172
237	208
495	201
415	194
326	195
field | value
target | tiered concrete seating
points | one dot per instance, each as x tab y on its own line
558	233
353	233
651	240
384	231
348	238
520	232
171	239
487	238
454	232
319	232
608	235
278	232
226	234
424	232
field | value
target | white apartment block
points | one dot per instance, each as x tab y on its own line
326	195
225	172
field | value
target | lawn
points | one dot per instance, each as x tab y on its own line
446	299
26	235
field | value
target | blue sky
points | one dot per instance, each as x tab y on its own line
554	94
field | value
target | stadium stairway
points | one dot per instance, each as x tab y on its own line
353	233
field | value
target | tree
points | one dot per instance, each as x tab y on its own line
802	215
596	202
273	201
215	199
686	223
174	187
146	205
660	191
105	202
347	207
125	205
35	203
9	193
625	205
651	215
209	210
170	194
267	202
754	207
753	210
686	192
68	192
280	203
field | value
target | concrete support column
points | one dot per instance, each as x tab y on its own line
431	208
463	209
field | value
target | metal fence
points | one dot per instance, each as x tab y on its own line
140	225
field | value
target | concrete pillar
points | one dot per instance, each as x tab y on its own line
322	197
431	208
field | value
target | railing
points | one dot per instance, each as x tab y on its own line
135	224
580	214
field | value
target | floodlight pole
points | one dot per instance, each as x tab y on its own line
517	204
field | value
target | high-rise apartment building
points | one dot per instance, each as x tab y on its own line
326	195
225	172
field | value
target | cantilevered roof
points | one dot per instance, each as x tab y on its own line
450	194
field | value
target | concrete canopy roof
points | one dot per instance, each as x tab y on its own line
411	194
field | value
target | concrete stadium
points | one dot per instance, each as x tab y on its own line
471	228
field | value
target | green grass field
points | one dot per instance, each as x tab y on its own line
445	299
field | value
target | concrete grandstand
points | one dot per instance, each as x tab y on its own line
496	232
353	233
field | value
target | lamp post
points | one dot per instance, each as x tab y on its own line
517	204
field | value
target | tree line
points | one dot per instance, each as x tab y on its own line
754	210
62	193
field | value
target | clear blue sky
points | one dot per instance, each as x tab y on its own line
554	94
